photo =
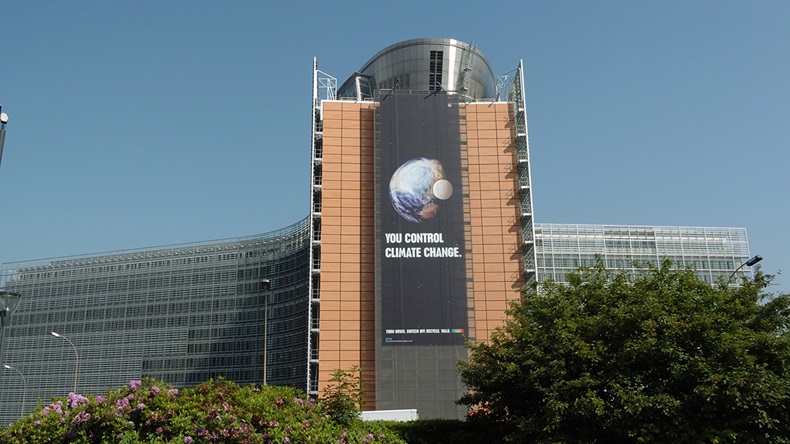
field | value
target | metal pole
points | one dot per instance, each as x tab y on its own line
265	284
748	263
24	382
2	139
5	295
76	357
3	121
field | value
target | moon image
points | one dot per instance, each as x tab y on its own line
443	189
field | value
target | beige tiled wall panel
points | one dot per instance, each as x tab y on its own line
347	244
494	207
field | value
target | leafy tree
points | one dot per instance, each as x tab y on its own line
661	357
342	397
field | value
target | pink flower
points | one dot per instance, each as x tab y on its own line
76	399
58	407
81	417
187	438
153	391
134	383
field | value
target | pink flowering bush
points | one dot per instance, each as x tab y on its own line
218	411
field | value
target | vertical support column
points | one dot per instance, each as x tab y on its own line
525	180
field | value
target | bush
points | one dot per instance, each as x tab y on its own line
342	399
445	431
216	411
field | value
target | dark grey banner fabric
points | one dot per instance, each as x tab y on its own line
421	221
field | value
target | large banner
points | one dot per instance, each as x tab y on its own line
420	223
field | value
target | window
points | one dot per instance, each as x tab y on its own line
435	71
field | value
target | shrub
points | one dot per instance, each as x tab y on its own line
216	411
342	399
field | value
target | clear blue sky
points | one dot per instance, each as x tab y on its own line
146	123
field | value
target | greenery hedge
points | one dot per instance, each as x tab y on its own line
217	411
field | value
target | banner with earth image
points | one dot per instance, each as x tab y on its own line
420	221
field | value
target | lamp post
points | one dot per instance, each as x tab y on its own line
9	298
76	356
24	382
8	302
748	263
3	121
265	285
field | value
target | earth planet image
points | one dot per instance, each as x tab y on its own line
417	187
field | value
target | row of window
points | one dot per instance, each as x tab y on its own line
626	262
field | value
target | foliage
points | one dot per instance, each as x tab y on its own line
662	357
342	397
214	412
445	431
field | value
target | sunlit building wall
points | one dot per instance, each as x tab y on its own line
418	99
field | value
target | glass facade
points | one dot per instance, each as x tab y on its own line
182	314
712	251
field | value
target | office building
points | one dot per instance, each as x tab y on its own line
420	231
422	218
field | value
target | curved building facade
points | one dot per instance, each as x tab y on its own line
424	65
181	314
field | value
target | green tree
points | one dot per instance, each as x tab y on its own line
661	357
342	397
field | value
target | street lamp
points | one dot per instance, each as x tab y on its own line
265	285
3	121
748	263
24	382
76	357
8	302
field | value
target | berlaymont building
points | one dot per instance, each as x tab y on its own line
418	232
